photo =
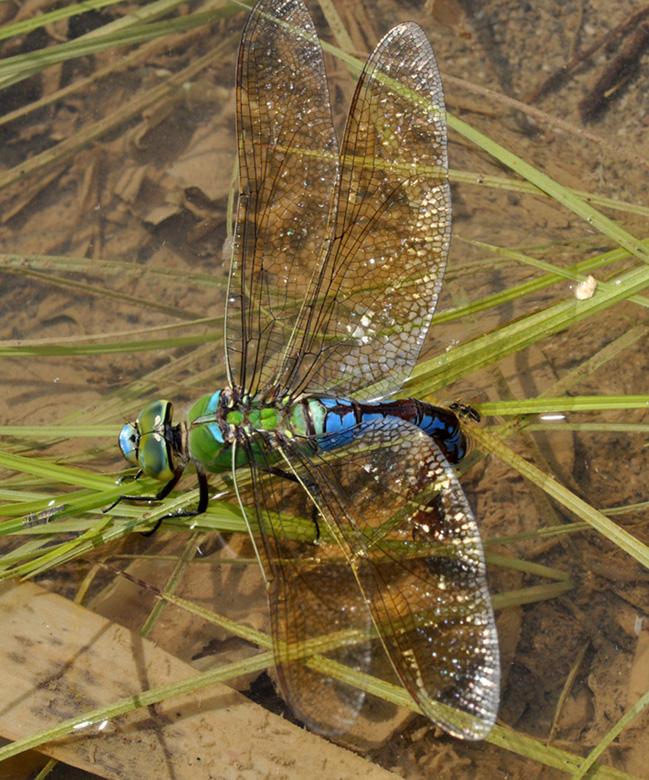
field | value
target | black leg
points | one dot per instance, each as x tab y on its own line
203	497
468	412
162	493
277	472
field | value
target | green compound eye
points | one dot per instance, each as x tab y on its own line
144	443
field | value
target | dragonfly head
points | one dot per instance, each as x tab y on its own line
151	442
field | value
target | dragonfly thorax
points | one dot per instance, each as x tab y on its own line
210	432
153	444
217	421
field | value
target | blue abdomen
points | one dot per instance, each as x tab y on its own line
324	415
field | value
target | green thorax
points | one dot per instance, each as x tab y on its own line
213	424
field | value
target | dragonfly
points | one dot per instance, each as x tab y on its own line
337	266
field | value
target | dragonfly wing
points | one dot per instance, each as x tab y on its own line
288	166
371	303
429	596
404	555
423	569
444	643
315	604
337	263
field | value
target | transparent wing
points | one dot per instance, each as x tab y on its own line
370	306
288	163
405	556
335	277
315	604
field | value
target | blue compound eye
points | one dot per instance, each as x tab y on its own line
129	442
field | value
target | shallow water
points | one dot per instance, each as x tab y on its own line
152	194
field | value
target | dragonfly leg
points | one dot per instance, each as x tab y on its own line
203	497
130	477
122	479
465	411
162	493
276	472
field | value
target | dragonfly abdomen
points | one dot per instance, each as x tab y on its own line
321	415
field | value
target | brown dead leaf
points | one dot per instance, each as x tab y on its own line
60	660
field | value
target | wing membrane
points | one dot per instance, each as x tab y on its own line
405	555
288	162
370	306
314	600
334	279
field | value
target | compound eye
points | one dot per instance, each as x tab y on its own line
129	443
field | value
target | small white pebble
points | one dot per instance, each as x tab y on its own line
586	289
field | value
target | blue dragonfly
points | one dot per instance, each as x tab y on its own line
335	274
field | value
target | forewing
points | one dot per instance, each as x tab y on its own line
405	550
288	162
315	604
369	309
